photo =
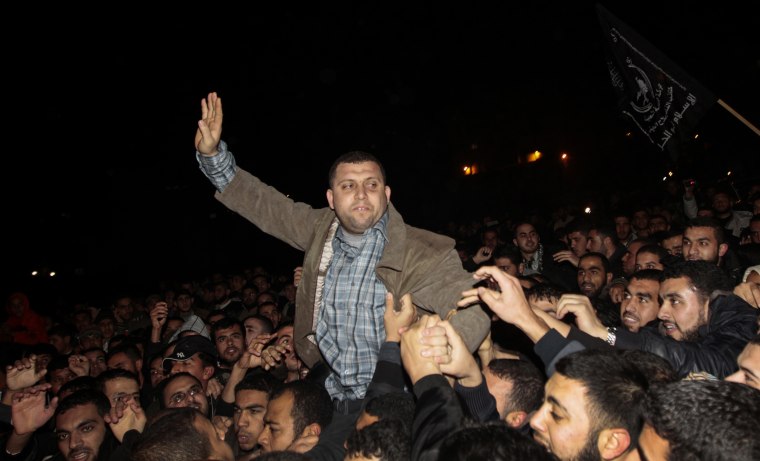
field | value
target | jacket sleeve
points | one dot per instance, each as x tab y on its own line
270	210
437	415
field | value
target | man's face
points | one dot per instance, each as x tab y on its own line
271	312
221	293
97	361
721	203
157	373
652	446
82	320
122	390
526	238
500	389
563	424
122	361
194	366
592	277
629	258
681	312
641	219
106	327
490	239
658	224
61	344
250	407
219	448
749	367
80	431
506	265
123	309
578	243
640	304
623	227
595	242
278	431
185	392
60	377
700	243
184	303
673	245
358	195
253	328
754	231
648	260
229	343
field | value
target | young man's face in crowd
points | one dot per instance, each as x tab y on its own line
278	431
250	408
185	391
673	245
640	304
681	312
229	343
592	277
749	367
648	260
563	424
526	238
80	431
700	243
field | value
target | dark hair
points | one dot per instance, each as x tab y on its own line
115	373
527	392
130	350
311	404
356	156
654	249
615	388
510	252
172	436
63	330
544	290
704	276
284	456
605	231
605	262
161	388
714	224
581	225
491	441
79	383
84	397
715	420
655	369
648	274
387	439
227	322
393	405
263	382
268	327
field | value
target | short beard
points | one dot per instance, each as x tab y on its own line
693	334
589	452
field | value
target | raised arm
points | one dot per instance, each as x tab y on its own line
209	126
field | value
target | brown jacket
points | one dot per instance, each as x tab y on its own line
414	260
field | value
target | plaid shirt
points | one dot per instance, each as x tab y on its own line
350	328
220	168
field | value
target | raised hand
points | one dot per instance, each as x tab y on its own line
29	410
22	373
416	364
209	126
158	315
126	415
462	364
566	255
585	316
483	254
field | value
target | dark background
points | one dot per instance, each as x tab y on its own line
101	184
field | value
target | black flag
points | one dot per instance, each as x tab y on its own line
654	93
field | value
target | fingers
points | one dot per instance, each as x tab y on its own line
389	303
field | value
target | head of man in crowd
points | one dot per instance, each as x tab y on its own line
591	407
722	203
255	326
526	239
749	365
651	257
577	236
392	405
685	290
228	336
544	297
754	229
271	311
296	409
251	399
641	304
80	428
509	259
123	309
183	390
704	239
59	372
491	441
602	240
180	434
125	357
518	388
688	420
641	222
623	227
384	440
358	191
62	337
119	386
593	274
195	355
658	223
672	242
631	251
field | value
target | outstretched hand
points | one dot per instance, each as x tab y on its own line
209	126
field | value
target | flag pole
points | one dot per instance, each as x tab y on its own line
737	115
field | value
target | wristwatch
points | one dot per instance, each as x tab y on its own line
611	335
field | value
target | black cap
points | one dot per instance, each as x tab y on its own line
189	346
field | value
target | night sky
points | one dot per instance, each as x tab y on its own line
102	186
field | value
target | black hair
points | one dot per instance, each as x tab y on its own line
79	383
545	291
85	397
311	404
356	156
227	322
115	373
172	436
656	369
527	392
491	441
714	420
510	252
605	262
654	249
648	274
393	405
705	277
268	327
387	439
714	224
263	382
